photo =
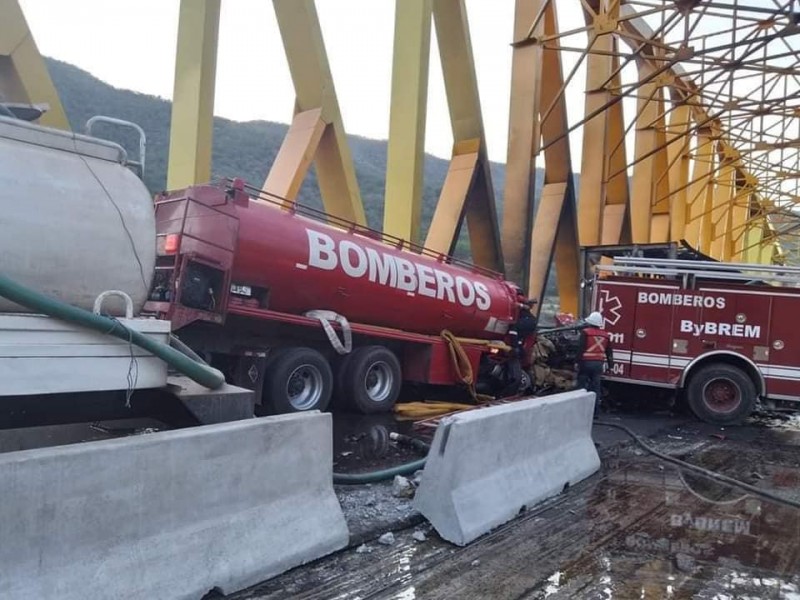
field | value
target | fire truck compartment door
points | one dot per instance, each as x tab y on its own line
782	376
651	344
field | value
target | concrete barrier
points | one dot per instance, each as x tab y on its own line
169	515
485	465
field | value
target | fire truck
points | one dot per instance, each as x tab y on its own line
720	334
302	307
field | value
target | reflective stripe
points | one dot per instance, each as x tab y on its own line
596	344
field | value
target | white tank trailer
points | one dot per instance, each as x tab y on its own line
74	221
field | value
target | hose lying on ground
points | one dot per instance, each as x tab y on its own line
700	470
202	374
376	476
383	474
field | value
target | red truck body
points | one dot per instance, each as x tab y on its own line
259	265
692	325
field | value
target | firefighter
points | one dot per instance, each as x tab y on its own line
596	351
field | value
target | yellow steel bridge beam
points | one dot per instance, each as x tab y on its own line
23	73
650	194
464	194
679	161
405	159
523	132
740	213
698	190
537	81
603	195
722	213
313	83
190	140
294	158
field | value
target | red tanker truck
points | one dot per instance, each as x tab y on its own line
302	307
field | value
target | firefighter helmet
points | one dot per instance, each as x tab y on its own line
595	319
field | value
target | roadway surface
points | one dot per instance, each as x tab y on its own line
639	529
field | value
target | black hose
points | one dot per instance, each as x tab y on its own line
710	474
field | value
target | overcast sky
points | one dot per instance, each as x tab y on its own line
132	45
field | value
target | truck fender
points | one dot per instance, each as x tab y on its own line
761	385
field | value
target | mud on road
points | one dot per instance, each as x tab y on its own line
639	529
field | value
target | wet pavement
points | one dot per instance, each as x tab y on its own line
639	529
362	442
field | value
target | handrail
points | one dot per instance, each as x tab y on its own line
707	265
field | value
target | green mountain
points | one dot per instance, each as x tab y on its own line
240	149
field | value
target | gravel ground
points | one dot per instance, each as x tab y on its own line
372	510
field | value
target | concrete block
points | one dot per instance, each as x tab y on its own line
169	515
485	465
227	403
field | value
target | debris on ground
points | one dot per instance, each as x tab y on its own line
685	563
363	549
417	478
402	487
387	539
553	361
372	509
419	536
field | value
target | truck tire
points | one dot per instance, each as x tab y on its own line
297	380
721	394
370	380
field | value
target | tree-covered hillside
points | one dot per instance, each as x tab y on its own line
240	149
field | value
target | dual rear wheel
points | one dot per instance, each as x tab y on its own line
300	379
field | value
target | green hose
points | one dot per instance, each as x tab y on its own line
204	375
376	476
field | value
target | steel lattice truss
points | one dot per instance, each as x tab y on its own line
713	82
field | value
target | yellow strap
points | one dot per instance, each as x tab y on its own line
463	366
424	410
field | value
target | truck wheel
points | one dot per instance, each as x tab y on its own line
370	380
297	380
721	394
